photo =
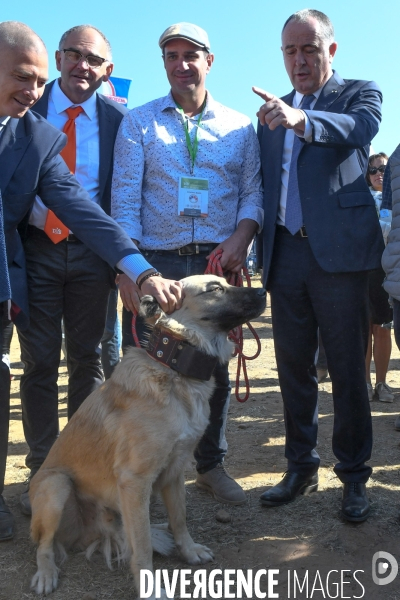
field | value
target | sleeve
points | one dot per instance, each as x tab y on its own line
387	189
355	127
250	188
126	192
60	191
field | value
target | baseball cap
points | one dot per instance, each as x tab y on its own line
187	31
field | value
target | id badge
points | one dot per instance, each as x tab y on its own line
193	197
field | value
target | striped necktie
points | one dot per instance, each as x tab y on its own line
294	215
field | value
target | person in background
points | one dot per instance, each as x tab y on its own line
381	313
66	279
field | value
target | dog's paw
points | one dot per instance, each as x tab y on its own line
45	580
197	554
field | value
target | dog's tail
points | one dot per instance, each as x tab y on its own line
162	539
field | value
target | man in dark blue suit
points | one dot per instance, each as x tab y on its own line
321	236
66	279
31	166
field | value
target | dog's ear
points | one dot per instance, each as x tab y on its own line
150	310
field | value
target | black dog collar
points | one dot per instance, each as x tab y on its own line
179	355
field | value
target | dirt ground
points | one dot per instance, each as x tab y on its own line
305	539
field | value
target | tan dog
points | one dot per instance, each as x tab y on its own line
134	435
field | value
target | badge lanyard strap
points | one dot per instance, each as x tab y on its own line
192	148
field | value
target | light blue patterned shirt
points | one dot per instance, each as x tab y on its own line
150	156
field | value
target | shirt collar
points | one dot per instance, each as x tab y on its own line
168	102
4	121
61	102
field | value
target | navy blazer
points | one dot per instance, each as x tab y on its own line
110	116
30	165
338	209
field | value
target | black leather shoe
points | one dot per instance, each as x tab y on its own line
355	504
291	486
6	521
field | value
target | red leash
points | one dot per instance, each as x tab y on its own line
236	335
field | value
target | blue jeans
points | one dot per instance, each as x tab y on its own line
112	336
212	447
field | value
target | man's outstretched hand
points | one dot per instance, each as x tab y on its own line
275	112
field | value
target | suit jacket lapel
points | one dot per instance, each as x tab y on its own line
41	106
13	145
330	92
106	134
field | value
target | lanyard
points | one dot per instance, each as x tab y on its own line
192	148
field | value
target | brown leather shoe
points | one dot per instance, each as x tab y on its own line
221	486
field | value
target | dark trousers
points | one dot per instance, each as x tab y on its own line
212	447
4	403
111	340
69	281
303	299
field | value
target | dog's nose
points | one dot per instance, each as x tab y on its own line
261	292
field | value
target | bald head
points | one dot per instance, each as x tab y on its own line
14	34
23	68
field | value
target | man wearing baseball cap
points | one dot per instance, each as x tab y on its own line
186	181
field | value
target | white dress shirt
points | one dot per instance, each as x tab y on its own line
87	146
287	152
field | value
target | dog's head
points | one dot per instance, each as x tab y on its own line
210	309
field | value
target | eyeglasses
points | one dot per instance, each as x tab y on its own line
374	170
75	57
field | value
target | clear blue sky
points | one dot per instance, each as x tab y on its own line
245	38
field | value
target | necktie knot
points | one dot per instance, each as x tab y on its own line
307	100
73	112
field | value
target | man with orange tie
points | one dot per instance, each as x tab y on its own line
66	279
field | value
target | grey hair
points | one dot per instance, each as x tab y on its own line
16	34
78	29
326	30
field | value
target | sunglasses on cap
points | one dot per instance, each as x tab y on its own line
374	170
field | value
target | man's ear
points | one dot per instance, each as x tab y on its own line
150	310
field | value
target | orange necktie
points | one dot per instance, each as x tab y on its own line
54	228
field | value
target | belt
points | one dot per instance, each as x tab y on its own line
32	230
188	250
301	233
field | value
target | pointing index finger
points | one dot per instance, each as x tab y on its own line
263	94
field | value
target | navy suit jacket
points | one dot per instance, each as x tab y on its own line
30	165
338	209
110	116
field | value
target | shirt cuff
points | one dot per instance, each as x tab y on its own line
307	134
134	265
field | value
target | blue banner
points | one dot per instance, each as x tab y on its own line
117	89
